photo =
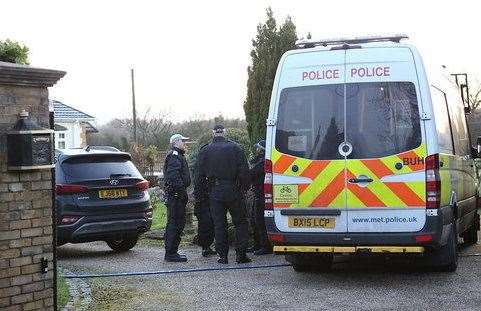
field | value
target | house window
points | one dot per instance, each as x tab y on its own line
60	140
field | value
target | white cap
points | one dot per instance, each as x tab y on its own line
176	137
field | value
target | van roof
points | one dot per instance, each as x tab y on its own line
308	43
362	45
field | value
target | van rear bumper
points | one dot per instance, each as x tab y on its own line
437	227
349	249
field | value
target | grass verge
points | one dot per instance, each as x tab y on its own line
159	220
63	294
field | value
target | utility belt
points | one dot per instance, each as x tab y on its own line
169	189
214	181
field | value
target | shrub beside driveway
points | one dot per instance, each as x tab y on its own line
63	294
159	220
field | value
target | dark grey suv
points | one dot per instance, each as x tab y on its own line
100	196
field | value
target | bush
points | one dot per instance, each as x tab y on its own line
13	52
145	158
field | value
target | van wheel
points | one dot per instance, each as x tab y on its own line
310	262
445	259
123	244
471	234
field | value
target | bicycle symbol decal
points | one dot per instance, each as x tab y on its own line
286	190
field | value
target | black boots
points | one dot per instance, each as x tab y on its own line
241	257
263	251
223	260
175	258
206	252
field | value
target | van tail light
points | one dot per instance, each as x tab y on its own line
68	220
268	185
433	182
425	238
70	189
142	185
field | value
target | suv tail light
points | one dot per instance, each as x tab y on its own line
142	185
268	179
67	220
70	189
148	214
433	182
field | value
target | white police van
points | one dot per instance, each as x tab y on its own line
367	153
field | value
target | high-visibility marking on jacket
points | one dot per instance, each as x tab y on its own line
329	186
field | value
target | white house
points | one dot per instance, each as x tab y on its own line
72	126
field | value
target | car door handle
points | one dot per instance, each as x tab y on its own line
360	180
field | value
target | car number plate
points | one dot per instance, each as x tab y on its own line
312	222
112	193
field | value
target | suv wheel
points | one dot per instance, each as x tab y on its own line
122	244
471	234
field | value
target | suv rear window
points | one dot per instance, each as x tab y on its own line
381	119
98	167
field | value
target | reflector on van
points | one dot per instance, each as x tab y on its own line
268	179
433	182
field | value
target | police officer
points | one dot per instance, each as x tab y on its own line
223	163
257	178
205	225
177	179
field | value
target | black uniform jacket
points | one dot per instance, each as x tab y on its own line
176	171
224	164
201	187
257	176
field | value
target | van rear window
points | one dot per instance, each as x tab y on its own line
95	167
378	119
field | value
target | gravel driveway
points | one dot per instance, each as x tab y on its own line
356	283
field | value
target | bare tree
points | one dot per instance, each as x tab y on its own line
475	97
154	130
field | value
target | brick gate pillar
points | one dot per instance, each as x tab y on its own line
25	197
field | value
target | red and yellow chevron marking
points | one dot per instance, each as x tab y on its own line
331	191
329	187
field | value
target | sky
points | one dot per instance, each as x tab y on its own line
191	57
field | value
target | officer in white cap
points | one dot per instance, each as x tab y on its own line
177	179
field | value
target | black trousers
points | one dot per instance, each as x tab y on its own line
175	222
205	224
260	224
252	225
237	210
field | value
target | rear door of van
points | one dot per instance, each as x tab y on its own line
385	144
308	170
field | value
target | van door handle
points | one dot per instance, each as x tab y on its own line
360	180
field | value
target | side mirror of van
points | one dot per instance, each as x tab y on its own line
478	146
465	98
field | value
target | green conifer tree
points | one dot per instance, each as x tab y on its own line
268	46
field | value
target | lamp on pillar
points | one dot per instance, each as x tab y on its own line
29	146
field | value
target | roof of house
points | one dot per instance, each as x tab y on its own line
65	112
89	128
59	127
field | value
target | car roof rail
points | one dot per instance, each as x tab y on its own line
105	148
308	43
